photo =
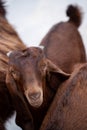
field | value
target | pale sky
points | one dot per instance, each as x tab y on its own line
33	18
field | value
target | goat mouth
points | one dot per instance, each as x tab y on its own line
35	100
36	103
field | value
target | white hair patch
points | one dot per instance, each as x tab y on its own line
9	53
41	47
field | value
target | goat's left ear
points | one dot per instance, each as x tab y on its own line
51	67
54	75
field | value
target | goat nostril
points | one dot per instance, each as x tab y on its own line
34	96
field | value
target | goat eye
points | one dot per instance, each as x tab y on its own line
43	65
15	74
12	72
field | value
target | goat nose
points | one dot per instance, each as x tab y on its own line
34	96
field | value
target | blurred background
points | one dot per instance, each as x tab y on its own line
33	18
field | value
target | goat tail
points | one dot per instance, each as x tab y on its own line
75	14
2	8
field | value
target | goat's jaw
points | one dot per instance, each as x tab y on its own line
36	103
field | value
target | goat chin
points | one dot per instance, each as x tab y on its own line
36	103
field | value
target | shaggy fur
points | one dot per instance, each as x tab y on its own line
9	40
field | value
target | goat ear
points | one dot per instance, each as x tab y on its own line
51	67
11	85
55	76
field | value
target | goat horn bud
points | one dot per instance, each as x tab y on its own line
9	53
42	47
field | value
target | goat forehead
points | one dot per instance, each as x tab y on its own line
26	66
21	61
27	63
29	56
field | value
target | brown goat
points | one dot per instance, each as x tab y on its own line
9	40
32	78
63	44
68	110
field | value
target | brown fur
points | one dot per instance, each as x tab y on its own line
32	79
29	74
9	40
69	108
63	44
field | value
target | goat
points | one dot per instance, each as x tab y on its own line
63	44
32	79
68	110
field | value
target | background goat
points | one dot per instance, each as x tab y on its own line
63	44
68	110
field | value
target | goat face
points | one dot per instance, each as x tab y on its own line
27	71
